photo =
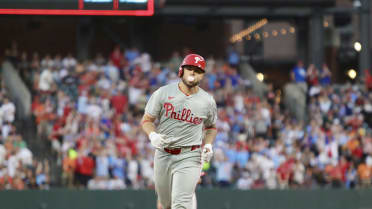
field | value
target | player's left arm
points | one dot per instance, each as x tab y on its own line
210	123
210	132
210	135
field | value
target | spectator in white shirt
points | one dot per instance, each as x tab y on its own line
46	80
144	61
47	62
245	182
69	61
112	72
93	109
8	110
116	184
97	183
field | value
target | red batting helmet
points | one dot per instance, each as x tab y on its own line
193	60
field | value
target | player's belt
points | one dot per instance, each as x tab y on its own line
176	151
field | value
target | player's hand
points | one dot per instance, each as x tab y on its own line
158	140
207	153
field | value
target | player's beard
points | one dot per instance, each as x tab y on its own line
190	84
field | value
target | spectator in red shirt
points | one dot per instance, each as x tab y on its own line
117	56
368	79
84	169
119	102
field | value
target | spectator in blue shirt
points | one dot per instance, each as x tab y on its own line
233	58
299	73
131	54
325	76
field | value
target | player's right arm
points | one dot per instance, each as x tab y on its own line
157	140
152	110
147	123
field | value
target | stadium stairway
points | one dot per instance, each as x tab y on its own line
248	73
294	96
25	123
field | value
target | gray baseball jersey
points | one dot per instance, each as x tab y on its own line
182	117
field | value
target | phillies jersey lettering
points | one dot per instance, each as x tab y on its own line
186	115
182	117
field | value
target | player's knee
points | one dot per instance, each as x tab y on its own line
182	202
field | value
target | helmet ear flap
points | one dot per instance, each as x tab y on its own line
180	71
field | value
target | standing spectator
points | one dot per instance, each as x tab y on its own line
94	110
119	102
364	174
82	102
233	58
47	62
97	183
368	79
224	170
133	171
46	81
351	177
68	169
131	54
312	76
325	76
42	177
144	62
102	164
118	166
298	75
174	61
7	110
112	72
84	169
117	57
245	181
298	173
69	62
116	184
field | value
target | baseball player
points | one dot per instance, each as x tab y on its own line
184	110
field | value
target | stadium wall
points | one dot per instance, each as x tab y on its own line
207	199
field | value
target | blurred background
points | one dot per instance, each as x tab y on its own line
291	79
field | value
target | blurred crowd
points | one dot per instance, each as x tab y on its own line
90	112
18	169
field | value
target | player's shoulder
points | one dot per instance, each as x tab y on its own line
172	85
167	87
166	90
206	94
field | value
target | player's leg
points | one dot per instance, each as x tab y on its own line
194	202
183	188
163	179
186	175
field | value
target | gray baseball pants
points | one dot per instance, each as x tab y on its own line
176	177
